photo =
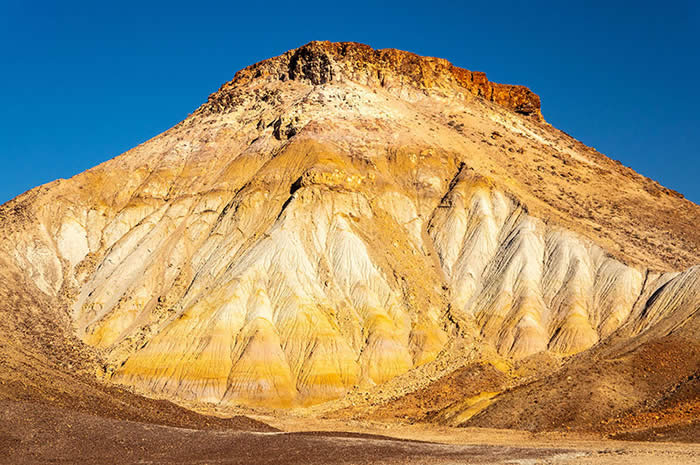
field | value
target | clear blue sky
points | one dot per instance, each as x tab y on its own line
81	82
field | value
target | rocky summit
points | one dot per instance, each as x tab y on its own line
340	223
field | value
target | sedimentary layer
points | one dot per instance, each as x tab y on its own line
336	217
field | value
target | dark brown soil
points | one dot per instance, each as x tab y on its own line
687	432
618	389
426	404
34	433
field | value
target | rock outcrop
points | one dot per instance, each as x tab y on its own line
323	62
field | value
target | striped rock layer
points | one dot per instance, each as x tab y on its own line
333	218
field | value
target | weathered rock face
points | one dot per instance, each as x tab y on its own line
324	62
337	216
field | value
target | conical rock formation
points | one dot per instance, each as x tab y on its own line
333	217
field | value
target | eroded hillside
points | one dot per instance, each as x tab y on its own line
337	218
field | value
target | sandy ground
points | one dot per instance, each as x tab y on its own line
34	433
509	446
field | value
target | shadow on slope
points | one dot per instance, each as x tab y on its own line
625	387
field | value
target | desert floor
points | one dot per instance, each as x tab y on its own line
35	433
